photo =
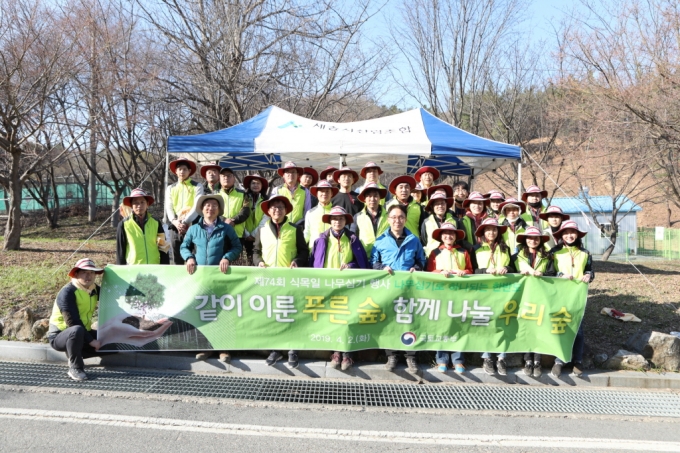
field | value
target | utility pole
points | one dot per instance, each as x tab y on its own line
92	202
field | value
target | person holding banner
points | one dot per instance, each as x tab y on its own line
279	243
371	173
510	213
554	217
179	204
339	248
493	257
211	242
371	222
257	187
401	187
534	259
299	197
347	198
572	261
140	238
397	249
449	259
314	224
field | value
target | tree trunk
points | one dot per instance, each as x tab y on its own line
607	253
668	214
115	218
12	240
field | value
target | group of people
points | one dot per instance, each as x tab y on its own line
323	221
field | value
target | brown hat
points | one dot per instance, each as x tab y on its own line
532	231
248	179
368	166
553	210
475	196
323	184
371	186
490	222
183	160
324	173
434	171
569	225
265	204
513	202
337	173
337	211
436	197
401	180
203	198
447	228
448	190
85	264
534	190
211	166
127	201
289	165
311	172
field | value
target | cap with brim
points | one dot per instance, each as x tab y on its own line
495	195
534	232
183	160
569	225
441	187
226	170
369	166
205	168
436	197
475	196
311	172
553	210
401	180
447	228
324	173
200	200
513	202
371	186
534	190
337	173
265	204
434	171
287	166
323	184
85	264
250	178
137	193
337	211
490	222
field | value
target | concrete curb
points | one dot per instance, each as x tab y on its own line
186	361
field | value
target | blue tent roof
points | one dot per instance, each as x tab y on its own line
603	204
398	143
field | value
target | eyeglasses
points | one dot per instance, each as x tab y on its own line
401	217
277	208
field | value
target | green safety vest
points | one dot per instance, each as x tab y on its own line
142	247
430	226
526	215
486	260
278	251
366	234
540	264
566	266
446	260
183	195
297	199
413	211
338	252
233	203
86	306
510	237
382	200
316	225
255	216
469	232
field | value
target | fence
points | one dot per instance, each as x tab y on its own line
664	243
69	194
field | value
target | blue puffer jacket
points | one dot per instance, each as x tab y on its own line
386	253
223	243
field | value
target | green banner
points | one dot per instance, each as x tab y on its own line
165	308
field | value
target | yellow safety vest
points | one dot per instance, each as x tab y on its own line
183	195
510	237
142	247
486	260
413	211
366	234
570	261
255	216
297	199
540	264
542	224
316	225
453	260
86	306
233	203
337	252
430	226
281	251
469	232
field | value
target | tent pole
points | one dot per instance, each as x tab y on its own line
167	170
342	160
519	181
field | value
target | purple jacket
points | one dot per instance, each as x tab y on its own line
318	256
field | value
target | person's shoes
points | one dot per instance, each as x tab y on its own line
346	364
459	368
442	368
502	369
556	370
537	370
273	358
528	367
336	359
411	364
391	362
578	369
76	374
225	357
203	355
293	361
488	366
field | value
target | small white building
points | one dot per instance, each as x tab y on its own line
597	241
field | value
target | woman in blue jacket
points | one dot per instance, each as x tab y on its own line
210	242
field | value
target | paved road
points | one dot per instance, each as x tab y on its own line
70	422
